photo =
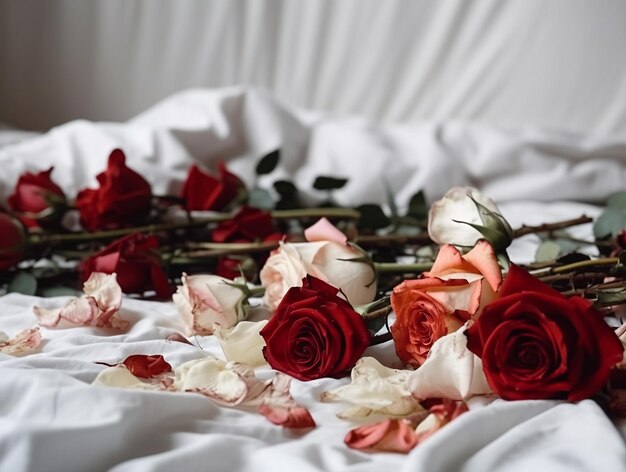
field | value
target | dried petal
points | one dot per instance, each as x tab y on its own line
390	435
22	343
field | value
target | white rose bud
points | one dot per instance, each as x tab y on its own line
205	300
463	216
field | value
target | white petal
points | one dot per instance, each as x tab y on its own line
105	290
376	388
450	371
23	342
243	343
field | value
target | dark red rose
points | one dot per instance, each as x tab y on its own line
314	333
535	343
141	365
228	268
123	198
35	192
248	225
203	191
135	259
12	241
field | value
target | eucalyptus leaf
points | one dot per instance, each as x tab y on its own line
372	217
285	188
268	163
260	198
24	283
611	222
418	208
547	251
617	200
328	183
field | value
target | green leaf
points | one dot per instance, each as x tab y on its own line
372	217
547	251
418	208
622	257
260	198
611	297
268	163
285	188
328	183
24	283
611	222
374	325
617	200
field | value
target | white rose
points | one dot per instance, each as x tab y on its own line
448	217
326	260
205	300
243	343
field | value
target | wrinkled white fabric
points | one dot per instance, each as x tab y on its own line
557	64
52	419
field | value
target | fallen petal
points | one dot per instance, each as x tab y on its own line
22	343
296	417
390	435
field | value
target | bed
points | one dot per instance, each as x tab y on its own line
53	419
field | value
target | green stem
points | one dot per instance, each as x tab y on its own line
578	265
393	268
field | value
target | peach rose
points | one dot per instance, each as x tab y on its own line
455	290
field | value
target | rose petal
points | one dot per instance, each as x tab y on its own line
450	371
375	389
324	230
390	435
243	343
22	343
296	417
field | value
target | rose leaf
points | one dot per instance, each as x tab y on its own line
268	163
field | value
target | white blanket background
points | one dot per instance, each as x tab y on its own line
51	419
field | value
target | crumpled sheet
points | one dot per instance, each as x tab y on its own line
52	419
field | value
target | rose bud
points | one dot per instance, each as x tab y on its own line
136	261
314	333
123	197
455	290
36	193
203	191
206	300
12	241
463	216
536	344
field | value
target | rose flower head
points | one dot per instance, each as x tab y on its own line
37	193
136	261
12	241
326	256
123	197
535	343
463	216
314	333
206	300
203	191
455	290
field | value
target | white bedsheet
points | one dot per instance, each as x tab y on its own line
52	419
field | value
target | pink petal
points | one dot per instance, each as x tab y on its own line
483	257
47	318
296	417
324	230
23	342
80	311
448	257
390	435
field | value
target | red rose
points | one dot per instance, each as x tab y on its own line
124	197
535	343
248	225
314	333
12	241
135	260
35	192
202	191
141	365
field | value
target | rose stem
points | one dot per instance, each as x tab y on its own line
393	268
377	313
578	265
381	338
524	229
